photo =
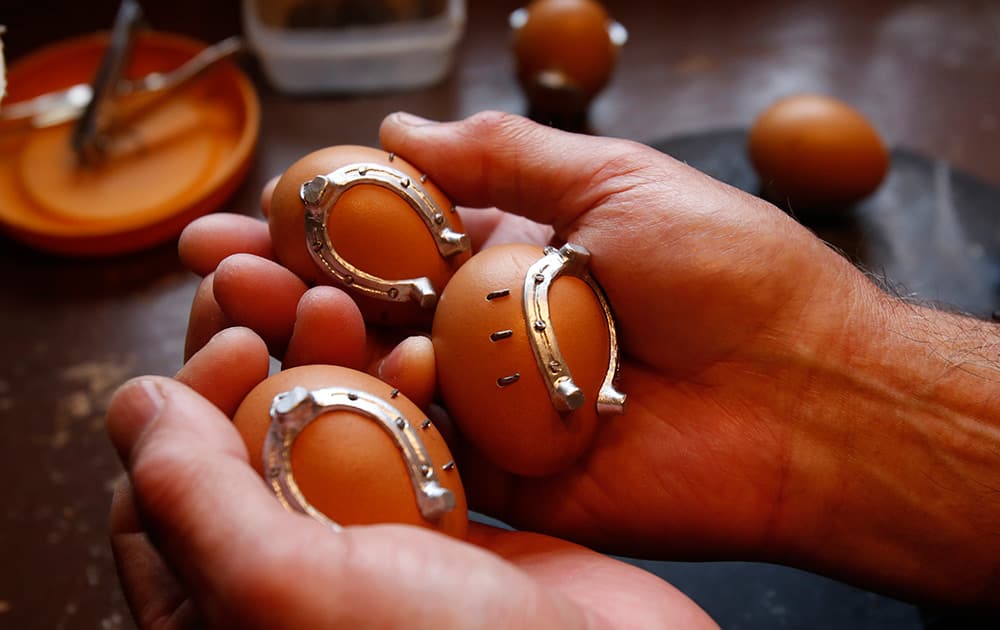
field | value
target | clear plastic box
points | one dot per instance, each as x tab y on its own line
396	55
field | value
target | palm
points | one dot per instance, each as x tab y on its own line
697	461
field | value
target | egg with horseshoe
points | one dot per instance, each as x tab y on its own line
371	223
348	449
527	356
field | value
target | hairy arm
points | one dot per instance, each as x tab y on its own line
895	454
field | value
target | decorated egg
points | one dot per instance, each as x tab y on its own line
814	152
527	355
348	449
367	221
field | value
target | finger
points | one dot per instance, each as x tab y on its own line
195	490
206	318
261	295
491	226
205	242
510	162
265	196
231	364
410	368
151	590
328	329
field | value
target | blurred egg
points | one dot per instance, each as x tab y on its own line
486	368
816	152
565	51
372	227
346	465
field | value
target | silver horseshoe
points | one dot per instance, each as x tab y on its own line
292	411
566	396
321	193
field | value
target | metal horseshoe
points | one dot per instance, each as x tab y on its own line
292	411
321	193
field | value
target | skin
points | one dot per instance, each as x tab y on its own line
781	408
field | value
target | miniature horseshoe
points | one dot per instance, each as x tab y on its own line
566	396
372	224
322	192
292	412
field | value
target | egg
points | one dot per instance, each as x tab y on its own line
565	51
345	462
394	259
490	379
816	152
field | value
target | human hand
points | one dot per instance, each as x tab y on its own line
199	539
759	366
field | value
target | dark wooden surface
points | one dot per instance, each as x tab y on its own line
926	73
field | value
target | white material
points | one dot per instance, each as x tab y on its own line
356	59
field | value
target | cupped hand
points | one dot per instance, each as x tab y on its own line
722	302
199	539
724	306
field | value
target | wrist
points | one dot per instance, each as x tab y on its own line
894	453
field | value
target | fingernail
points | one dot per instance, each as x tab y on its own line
412	120
132	410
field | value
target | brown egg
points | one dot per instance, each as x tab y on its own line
815	152
488	375
346	464
373	228
570	42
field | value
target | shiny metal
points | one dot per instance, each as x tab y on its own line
55	108
618	34
321	193
500	335
193	67
294	410
88	137
510	379
566	396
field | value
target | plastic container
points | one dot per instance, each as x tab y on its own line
402	54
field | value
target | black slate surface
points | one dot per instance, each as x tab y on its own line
930	232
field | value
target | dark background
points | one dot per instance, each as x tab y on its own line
691	78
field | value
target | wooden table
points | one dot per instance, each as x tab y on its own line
927	74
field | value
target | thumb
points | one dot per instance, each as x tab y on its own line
201	502
507	161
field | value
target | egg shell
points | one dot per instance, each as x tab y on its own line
516	426
371	227
569	37
816	152
346	465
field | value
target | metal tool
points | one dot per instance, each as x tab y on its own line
88	133
56	108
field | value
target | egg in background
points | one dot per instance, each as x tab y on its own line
813	152
565	52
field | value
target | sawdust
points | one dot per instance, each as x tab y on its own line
92	384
